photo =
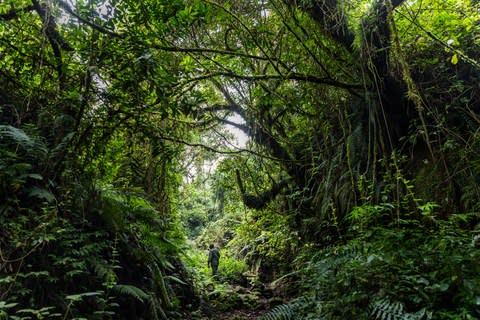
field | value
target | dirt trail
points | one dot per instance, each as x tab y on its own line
231	302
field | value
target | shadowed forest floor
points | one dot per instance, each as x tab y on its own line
232	315
232	302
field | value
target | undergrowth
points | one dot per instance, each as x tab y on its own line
79	248
403	270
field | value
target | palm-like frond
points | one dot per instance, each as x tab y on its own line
32	147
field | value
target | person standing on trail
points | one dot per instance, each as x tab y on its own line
213	259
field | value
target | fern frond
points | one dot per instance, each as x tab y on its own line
32	147
353	250
60	148
294	310
104	271
156	310
133	291
17	135
384	309
281	312
160	282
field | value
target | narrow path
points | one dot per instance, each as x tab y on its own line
231	302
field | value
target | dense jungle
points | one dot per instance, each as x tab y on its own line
329	149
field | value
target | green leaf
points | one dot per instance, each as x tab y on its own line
4	305
187	63
454	59
41	193
35	176
35	274
78	297
175	279
133	291
7	279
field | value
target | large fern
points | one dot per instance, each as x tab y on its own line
300	308
132	291
281	312
132	217
33	147
385	309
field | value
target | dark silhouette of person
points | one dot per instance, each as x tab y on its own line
213	259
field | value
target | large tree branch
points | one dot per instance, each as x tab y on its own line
54	37
235	107
329	15
260	201
219	107
50	26
254	129
212	149
244	128
201	145
226	107
212	51
378	34
264	77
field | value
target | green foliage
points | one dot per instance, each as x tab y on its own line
231	269
23	158
85	257
80	244
196	209
407	271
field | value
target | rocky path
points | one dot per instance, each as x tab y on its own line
232	302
